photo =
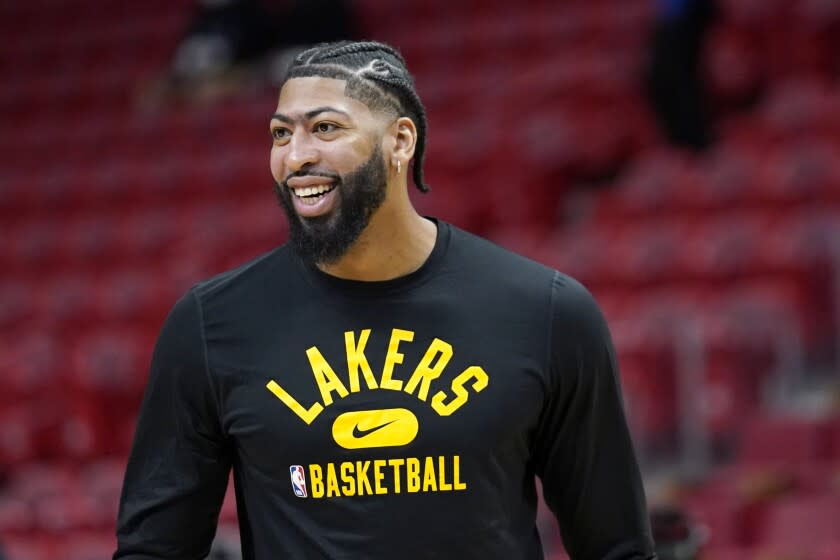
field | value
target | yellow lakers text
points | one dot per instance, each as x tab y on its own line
411	475
360	376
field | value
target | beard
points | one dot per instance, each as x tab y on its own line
325	239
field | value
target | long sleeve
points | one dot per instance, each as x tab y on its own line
178	468
583	450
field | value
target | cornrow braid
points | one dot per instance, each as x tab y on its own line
377	75
348	48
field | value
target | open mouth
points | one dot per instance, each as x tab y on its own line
311	195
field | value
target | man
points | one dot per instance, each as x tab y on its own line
384	385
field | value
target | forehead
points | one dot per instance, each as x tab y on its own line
300	95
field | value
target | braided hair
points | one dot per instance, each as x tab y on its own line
376	75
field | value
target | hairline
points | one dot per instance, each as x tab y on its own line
354	87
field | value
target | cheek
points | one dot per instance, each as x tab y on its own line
275	162
352	154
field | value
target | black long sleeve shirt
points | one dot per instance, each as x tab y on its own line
403	418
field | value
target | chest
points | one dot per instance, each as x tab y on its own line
350	388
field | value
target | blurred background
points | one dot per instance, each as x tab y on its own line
679	157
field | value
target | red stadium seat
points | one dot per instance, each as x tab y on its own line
800	173
795	109
648	186
202	227
827	551
64	513
645	347
517	199
15	516
815	478
74	428
129	296
102	482
146	234
258	225
110	361
720	517
798	251
17	439
39	479
34	362
722	183
799	525
88	239
28	548
723	251
834	439
15	302
784	440
66	301
32	245
645	255
751	333
88	546
453	201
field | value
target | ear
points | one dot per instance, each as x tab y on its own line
404	141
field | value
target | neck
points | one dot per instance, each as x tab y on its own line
396	242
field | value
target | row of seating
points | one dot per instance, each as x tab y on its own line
780	498
732	179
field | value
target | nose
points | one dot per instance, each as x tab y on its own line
301	153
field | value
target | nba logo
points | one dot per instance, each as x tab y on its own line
298	480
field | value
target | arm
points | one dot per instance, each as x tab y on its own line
583	451
178	469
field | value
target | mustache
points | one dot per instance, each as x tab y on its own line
311	173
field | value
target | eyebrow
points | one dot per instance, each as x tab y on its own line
310	114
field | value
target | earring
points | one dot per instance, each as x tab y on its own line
399	165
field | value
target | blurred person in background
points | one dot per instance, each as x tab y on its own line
229	44
383	384
673	83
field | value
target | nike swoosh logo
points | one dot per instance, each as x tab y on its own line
359	433
363	429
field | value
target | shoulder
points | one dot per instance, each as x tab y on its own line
252	277
577	320
570	297
572	305
495	264
494	272
486	265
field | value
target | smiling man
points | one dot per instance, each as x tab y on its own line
383	385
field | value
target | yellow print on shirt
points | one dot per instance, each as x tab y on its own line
360	375
410	475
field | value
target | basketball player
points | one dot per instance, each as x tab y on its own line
384	385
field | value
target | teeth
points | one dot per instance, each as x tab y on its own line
309	191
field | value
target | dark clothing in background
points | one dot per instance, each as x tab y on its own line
398	419
672	81
230	32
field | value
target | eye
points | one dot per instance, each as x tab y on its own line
280	133
325	127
